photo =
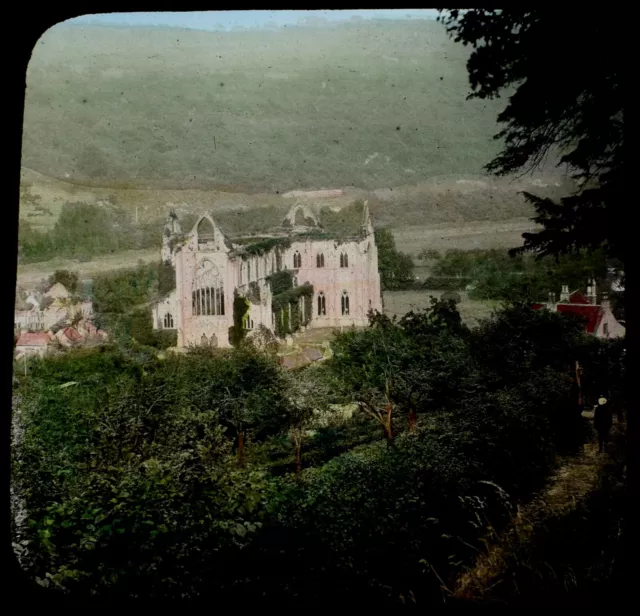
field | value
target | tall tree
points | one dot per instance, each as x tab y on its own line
562	70
396	268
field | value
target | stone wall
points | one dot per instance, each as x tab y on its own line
359	280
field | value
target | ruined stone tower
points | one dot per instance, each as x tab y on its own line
171	230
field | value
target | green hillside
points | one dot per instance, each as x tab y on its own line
370	105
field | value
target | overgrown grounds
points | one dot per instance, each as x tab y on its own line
371	476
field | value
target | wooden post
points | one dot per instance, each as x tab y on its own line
578	383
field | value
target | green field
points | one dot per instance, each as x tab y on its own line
398	303
228	122
368	105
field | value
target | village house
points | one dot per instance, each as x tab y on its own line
61	309
29	320
600	320
32	343
334	280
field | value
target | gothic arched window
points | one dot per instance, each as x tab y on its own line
297	260
344	303
206	232
168	321
322	306
319	260
207	295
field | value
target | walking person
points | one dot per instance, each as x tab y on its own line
602	421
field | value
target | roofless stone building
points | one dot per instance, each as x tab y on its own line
301	273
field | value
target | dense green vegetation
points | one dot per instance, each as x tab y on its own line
121	301
83	231
493	274
112	105
395	267
212	474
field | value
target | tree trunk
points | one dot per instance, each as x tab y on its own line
241	448
579	385
412	420
298	453
388	427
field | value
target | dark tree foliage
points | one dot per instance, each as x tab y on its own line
396	268
563	71
171	476
66	278
166	279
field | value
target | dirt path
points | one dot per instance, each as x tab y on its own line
552	535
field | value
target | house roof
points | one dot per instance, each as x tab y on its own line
58	290
577	297
34	339
72	334
593	314
26	313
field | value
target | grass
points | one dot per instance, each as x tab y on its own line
31	274
399	303
466	236
368	105
561	546
227	122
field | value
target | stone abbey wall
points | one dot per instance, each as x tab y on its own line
210	270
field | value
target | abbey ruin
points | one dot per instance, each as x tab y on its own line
293	277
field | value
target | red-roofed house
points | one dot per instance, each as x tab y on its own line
32	343
69	336
600	320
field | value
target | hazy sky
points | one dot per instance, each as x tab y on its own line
225	20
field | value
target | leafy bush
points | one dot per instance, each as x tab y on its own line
162	478
119	291
83	230
396	268
66	278
493	274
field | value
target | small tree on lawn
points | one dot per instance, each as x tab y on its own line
305	394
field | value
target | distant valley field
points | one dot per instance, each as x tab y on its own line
355	105
149	119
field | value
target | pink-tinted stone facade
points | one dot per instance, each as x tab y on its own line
210	269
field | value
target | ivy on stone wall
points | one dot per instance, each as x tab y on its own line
280	306
253	294
291	296
263	245
177	240
280	281
241	306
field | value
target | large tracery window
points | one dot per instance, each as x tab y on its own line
322	305
297	260
344	302
207	294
